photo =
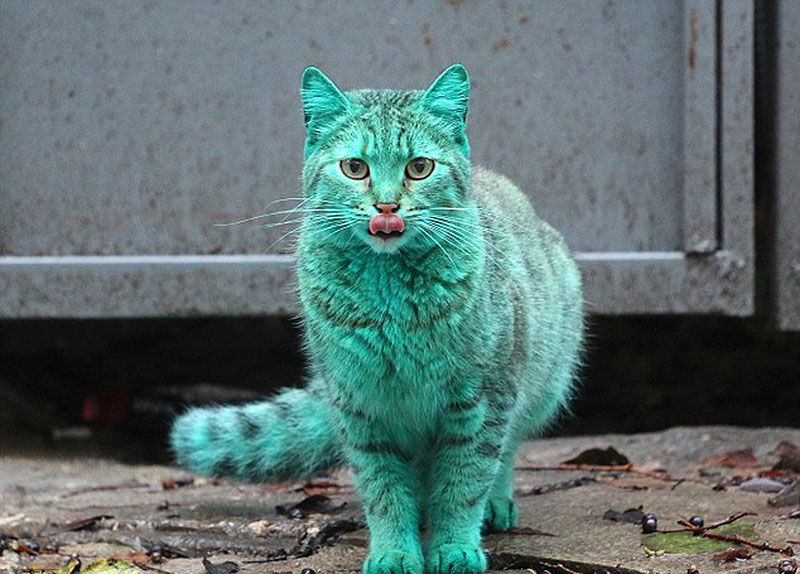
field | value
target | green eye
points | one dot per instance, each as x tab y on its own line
419	168
354	168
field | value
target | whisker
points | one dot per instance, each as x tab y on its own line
281	238
280	223
271	213
451	224
450	231
439	245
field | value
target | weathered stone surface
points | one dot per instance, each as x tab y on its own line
223	520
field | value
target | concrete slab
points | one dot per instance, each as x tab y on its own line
41	497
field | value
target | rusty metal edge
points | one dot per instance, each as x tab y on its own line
700	210
736	152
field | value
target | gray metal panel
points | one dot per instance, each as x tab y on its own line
130	128
155	286
787	168
146	286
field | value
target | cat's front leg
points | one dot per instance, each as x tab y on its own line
389	485
464	467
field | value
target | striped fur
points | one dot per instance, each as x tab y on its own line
434	355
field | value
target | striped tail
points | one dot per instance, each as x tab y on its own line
287	437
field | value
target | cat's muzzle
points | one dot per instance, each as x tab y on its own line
385	225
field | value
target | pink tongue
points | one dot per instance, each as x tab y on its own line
386	223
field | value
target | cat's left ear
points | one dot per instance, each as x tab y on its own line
448	96
322	102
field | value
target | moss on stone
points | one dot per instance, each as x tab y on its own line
687	543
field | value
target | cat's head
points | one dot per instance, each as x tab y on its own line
389	169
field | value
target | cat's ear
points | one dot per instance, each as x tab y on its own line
448	96
322	100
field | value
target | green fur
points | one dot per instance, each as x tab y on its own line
433	355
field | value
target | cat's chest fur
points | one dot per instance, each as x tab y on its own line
393	338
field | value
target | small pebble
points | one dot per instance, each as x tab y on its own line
692	570
649	523
787	567
761	484
308	571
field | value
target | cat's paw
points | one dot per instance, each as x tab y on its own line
455	559
392	562
499	515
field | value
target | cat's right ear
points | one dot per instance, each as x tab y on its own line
322	100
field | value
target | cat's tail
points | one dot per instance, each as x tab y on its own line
287	437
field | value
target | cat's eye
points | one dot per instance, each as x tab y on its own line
354	168
419	168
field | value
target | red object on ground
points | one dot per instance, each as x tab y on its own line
109	407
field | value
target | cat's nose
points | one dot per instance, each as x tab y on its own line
387	207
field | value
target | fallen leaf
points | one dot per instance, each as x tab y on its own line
83	524
632	515
599	457
173	483
222	568
317	504
735	554
325	535
26	546
741	458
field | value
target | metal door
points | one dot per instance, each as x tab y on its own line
127	129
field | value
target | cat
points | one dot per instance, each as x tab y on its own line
443	325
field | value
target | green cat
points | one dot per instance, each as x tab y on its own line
443	322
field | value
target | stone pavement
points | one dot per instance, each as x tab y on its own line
561	526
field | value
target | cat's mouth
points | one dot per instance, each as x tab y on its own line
386	225
384	236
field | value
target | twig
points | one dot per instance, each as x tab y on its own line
689	527
153	568
565	569
513	561
129	484
678	482
788	551
609	468
704	531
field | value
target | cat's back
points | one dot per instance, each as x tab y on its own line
511	220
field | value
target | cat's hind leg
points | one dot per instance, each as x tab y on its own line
500	513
